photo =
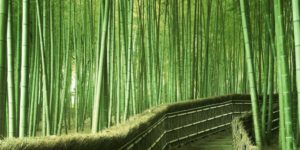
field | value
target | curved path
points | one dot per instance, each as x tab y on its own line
218	141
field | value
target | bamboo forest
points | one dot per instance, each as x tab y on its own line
149	74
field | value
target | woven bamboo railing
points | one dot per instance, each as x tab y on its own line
162	127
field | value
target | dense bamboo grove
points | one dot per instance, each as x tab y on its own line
84	65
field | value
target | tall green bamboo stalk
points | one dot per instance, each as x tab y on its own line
251	77
46	119
101	46
3	32
24	70
296	20
10	75
285	87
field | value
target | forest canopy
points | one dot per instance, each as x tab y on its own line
71	66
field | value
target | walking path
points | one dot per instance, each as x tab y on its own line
219	141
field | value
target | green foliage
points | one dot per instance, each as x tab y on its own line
85	65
